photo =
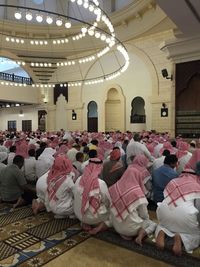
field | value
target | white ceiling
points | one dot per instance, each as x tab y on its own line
184	13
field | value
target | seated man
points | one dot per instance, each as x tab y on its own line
129	214
162	176
30	167
79	160
91	198
113	168
13	185
3	160
55	189
178	212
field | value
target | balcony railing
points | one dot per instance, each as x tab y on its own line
15	78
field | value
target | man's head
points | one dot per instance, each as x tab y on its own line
19	161
13	149
166	152
136	137
31	152
173	143
80	156
171	160
94	142
92	153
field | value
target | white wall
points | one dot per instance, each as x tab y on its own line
12	114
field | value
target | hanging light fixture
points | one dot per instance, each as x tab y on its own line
100	30
21	113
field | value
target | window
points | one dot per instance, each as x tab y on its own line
26	125
138	111
12	126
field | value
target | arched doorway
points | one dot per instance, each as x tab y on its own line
137	110
92	116
114	111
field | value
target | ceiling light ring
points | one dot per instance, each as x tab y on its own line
103	37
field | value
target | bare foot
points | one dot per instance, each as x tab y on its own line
100	228
177	247
160	240
126	237
140	236
20	202
37	206
86	227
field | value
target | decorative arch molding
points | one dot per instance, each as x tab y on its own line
114	108
113	86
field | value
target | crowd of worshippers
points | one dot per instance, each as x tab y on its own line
108	180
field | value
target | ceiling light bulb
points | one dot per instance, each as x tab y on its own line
91	32
85	5
49	20
79	2
59	22
97	34
29	16
18	15
39	18
103	37
84	30
68	24
91	8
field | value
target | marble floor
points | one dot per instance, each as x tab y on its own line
97	253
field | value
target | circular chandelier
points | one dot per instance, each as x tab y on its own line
100	30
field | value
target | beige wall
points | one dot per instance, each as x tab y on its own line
12	114
26	94
143	78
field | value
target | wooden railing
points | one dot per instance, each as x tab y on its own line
15	78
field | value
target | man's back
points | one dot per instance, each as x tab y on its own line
161	177
11	181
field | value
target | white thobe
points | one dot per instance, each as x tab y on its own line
11	156
136	148
30	168
102	214
71	154
63	205
183	161
138	218
157	149
182	220
158	163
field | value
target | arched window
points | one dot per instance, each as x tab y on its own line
92	117
138	111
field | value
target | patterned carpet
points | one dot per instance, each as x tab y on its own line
28	240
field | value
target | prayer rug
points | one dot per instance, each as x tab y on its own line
28	240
